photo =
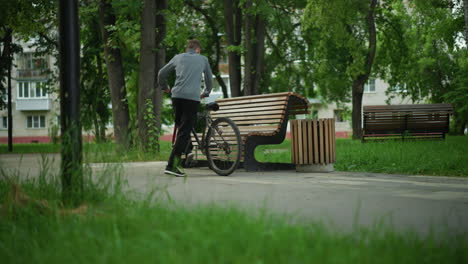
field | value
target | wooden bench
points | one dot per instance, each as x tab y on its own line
406	121
262	120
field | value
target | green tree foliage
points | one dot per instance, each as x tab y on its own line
95	96
341	46
314	47
286	65
421	55
458	96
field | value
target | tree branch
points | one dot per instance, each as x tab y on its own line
49	40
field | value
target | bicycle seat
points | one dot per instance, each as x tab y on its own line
213	106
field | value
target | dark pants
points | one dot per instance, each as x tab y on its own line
185	115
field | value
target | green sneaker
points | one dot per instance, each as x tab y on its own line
176	170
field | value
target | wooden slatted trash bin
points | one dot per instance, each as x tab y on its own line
313	144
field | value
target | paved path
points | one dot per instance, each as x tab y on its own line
340	198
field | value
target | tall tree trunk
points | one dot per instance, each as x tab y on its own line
5	61
160	59
116	75
255	33
97	129
249	50
9	53
233	24
146	81
5	55
259	56
358	83
465	8
101	107
357	91
71	131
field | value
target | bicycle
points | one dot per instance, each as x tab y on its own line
220	142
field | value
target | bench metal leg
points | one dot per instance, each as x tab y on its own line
251	164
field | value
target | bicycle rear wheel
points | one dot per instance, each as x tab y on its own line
223	146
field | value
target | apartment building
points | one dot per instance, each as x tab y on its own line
34	105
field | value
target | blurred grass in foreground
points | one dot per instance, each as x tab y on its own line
115	229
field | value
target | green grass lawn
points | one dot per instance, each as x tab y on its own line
116	229
31	148
108	152
92	152
444	157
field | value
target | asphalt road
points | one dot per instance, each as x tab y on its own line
344	200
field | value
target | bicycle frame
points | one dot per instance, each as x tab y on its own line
215	143
201	143
194	133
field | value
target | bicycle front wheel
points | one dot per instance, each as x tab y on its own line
223	146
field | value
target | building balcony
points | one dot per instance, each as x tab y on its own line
36	104
31	74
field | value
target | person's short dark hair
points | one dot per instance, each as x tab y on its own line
193	44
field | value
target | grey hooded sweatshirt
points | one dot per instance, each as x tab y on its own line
189	67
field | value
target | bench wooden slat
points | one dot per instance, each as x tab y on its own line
240	114
396	110
258	128
223	103
275	117
255	121
416	119
256	105
256	110
381	108
395	118
260	96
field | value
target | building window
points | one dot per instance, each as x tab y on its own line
369	87
36	121
29	89
29	61
30	65
4	123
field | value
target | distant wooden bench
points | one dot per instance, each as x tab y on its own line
406	121
262	120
